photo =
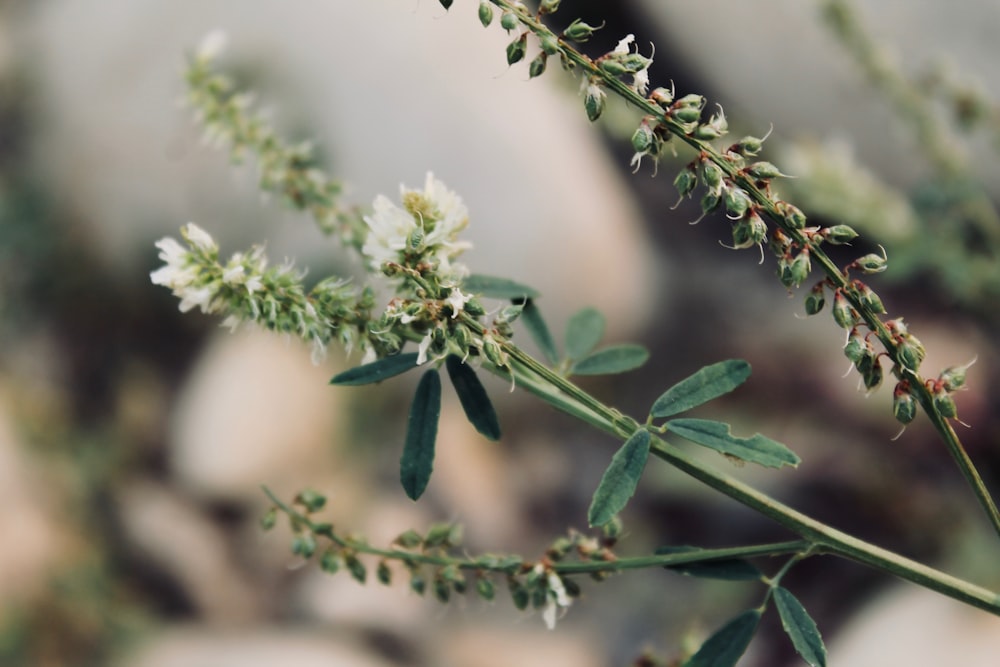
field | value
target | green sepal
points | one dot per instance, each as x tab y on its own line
583	332
497	288
376	371
471	393
620	479
729	569
612	359
725	647
417	461
800	628
718	436
531	316
708	383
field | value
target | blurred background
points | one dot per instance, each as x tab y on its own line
134	439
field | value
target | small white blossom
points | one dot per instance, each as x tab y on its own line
456	300
623	46
557	600
212	45
422	348
199	238
196	296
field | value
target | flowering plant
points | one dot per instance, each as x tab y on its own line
438	305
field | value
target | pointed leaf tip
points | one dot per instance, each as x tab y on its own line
417	461
800	628
725	647
473	397
620	479
708	383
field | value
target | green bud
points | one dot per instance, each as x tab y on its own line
944	403
686	181
762	171
485	13
508	21
485	589
269	519
749	146
440	535
310	500
418	584
911	351
518	593
709	202
871	263
799	268
329	562
904	406
643	138
686	114
383	573
611	531
304	545
578	31
594	101
873	374
711	175
815	299
549	44
356	568
548	6
539	597
558	549
792	215
843	313
737	202
613	66
857	347
953	378
572	588
868	297
494	352
442	590
537	65
839	234
411	539
662	97
517	49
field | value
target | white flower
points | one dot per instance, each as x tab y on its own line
623	46
425	345
557	600
176	273
456	300
389	228
195	296
212	45
199	238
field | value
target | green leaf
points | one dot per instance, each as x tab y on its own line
612	359
800	628
421	430
497	288
724	648
716	435
377	370
729	569
708	383
583	332
620	479
473	397
531	316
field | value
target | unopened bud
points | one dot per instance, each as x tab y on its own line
749	146
383	573
643	139
815	299
485	589
304	545
792	215
594	101
904	406
800	268
537	65
954	378
329	562
662	96
517	49
548	6
868	297
843	313
711	175
911	352
839	234
872	263
857	347
578	31
686	114
485	13
686	180
549	43
508	21
872	374
737	202
944	403
762	171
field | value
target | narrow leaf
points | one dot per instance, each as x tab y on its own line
377	370
716	435
531	316
800	628
611	359
421	430
724	648
620	479
497	288
730	569
583	332
471	393
708	383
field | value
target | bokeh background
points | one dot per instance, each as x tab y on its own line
134	439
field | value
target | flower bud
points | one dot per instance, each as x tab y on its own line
904	406
442	590
857	347
410	539
474	308
643	139
792	215
779	243
871	263
686	180
911	352
508	21
311	500
711	175
594	101
485	589
446	3
329	561
944	403
517	49
839	234
549	44
548	6
662	96
418	584
578	31
800	268
868	297
749	146
843	313
709	202
762	171
872	373
537	65
518	593
815	299
737	202
383	573
613	66
749	231
304	545
954	377
485	13
686	114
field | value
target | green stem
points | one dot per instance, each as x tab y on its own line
837	277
